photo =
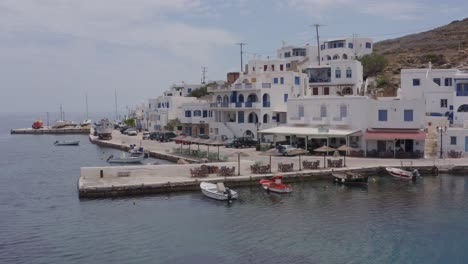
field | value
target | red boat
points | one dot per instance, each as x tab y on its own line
276	185
38	124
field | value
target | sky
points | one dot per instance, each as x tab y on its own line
55	52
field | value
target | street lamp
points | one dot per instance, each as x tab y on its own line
258	138
441	130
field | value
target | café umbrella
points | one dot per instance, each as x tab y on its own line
345	149
325	150
271	152
217	143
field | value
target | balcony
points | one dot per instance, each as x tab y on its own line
238	105
296	120
218	105
340	121
266	85
266	104
253	105
318	120
248	85
238	86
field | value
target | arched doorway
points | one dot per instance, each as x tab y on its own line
226	99
266	100
248	133
463	108
252	98
347	91
241	98
345	57
265	118
252	118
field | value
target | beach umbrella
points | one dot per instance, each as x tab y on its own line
299	152
325	150
271	152
345	149
217	143
197	141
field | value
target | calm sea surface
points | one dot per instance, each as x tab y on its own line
43	221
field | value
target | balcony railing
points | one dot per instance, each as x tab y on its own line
248	85
462	93
248	104
266	85
319	80
337	118
238	104
225	104
266	104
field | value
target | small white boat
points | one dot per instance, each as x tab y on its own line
86	123
66	143
403	174
125	159
218	191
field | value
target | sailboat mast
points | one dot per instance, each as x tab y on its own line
115	96
87	106
61	112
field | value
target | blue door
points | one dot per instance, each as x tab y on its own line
466	144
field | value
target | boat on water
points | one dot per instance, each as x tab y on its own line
125	159
403	174
134	151
104	129
64	123
38	124
67	143
276	185
86	123
349	178
218	191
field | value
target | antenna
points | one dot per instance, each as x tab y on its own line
241	54
203	74
318	41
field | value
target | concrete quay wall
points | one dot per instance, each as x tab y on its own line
30	131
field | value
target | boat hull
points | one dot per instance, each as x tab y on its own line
126	160
67	143
272	186
209	190
350	179
401	174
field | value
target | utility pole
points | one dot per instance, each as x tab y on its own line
241	54
203	74
354	45
318	41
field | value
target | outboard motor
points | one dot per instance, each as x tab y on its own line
229	194
415	174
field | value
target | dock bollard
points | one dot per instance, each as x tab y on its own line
101	173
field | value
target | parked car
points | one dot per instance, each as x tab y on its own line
229	143
131	132
146	135
155	135
167	136
285	149
204	136
123	128
244	142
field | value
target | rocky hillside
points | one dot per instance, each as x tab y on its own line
445	47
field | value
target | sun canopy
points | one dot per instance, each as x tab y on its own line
394	134
309	131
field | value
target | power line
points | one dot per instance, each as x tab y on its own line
241	54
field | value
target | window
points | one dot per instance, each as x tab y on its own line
265	67
272	67
350	45
189	90
197	113
448	81
336	57
288	65
443	103
408	115
205	113
167	105
285	98
368	45
315	91
437	81
281	67
322	47
297	80
349	73
253	68
323	111
453	140
416	82
326	91
188	113
282	80
240	117
275	80
287	54
301	111
382	115
343	111
337	73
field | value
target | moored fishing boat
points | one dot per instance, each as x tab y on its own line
403	174
349	178
125	159
276	185
104	129
218	191
38	124
67	143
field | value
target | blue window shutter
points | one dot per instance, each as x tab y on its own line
205	113
408	115
297	80
240	117
383	115
275	80
282	80
285	97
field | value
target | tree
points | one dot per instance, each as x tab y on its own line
373	64
172	124
202	91
131	122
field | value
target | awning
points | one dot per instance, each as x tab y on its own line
385	134
318	132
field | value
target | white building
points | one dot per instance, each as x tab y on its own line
345	48
196	118
445	92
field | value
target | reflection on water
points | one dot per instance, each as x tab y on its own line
392	221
